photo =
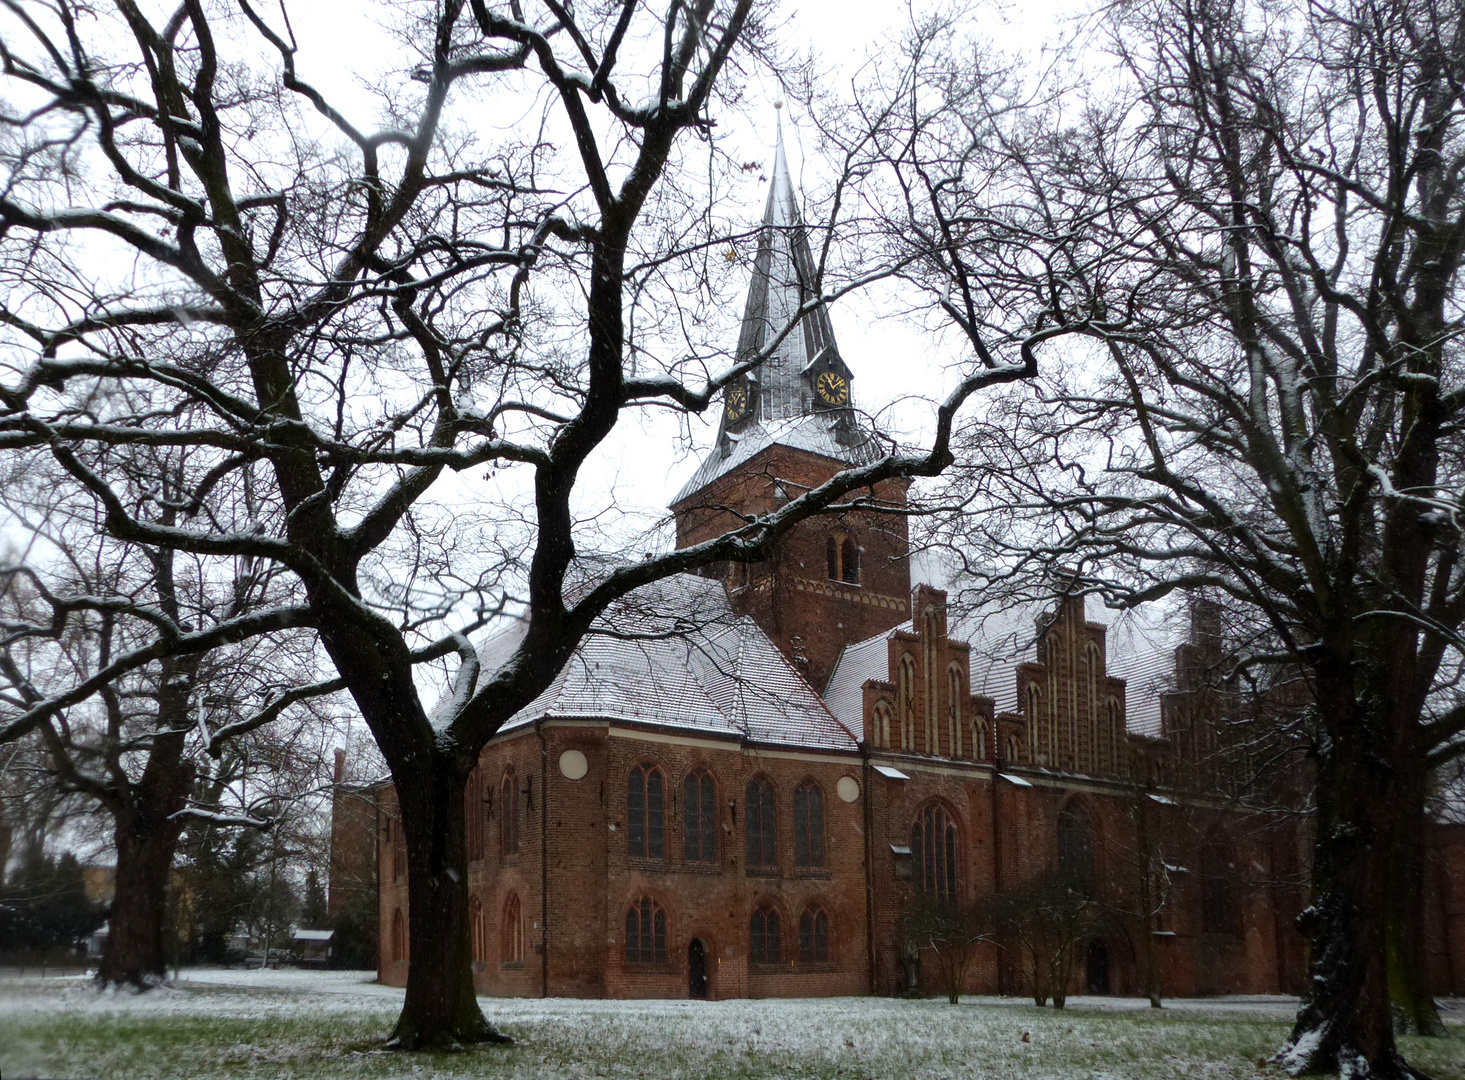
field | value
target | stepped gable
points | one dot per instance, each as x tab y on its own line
675	655
799	396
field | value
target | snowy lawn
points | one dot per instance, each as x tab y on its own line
329	1024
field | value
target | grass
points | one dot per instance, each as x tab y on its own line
204	1031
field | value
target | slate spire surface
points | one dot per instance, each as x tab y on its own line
800	393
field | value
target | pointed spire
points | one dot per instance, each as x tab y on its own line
783	386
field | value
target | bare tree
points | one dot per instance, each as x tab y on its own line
954	934
1268	231
1047	919
142	740
341	333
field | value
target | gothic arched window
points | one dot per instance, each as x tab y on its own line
808	825
699	818
933	850
399	937
849	561
511	945
761	824
473	814
1076	848
765	936
509	813
645	812
882	724
478	927
646	932
831	555
814	936
979	739
906	701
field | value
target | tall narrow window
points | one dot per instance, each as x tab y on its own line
933	850
761	822
509	813
473	814
814	936
646	932
477	925
831	555
511	945
882	724
399	937
645	813
849	561
979	739
765	936
808	825
953	708
699	818
906	701
1076	849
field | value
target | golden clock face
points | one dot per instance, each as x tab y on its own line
735	401
831	388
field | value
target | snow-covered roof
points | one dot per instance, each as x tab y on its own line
830	434
313	935
676	655
1147	676
857	665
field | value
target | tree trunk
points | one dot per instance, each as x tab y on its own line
1414	1006
134	954
441	1008
1345	1023
146	831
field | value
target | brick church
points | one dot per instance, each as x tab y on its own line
748	788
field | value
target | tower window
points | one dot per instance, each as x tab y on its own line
842	555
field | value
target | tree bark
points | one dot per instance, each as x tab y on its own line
440	1010
134	954
1414	1007
146	831
1346	1022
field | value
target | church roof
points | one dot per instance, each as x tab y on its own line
675	655
781	406
830	434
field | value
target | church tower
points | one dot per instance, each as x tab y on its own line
785	428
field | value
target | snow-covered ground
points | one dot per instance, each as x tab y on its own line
286	1023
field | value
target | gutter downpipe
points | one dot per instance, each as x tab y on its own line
543	859
869	867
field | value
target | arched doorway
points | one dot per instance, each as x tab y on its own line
1098	967
697	968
